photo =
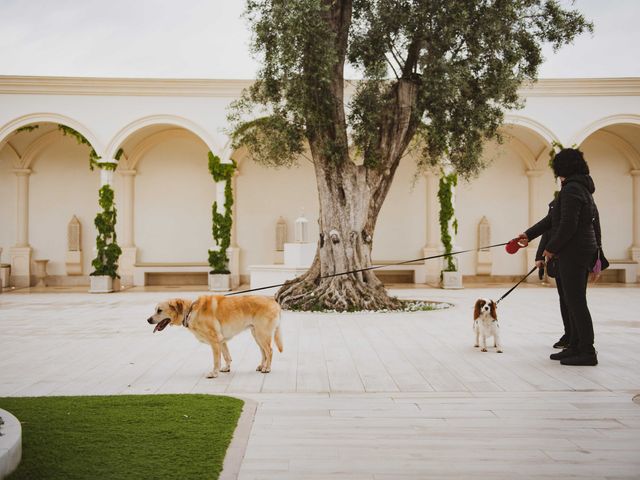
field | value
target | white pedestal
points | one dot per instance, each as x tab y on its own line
73	263
433	267
299	254
21	266
265	275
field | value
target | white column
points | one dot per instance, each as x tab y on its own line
533	177
128	192
432	231
129	250
21	252
233	252
635	247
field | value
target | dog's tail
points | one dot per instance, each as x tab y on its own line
277	336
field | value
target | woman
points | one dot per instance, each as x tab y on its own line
573	242
564	341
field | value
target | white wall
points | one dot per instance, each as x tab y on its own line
8	207
174	192
401	229
264	194
501	194
61	185
610	172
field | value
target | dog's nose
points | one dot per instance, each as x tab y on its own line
150	320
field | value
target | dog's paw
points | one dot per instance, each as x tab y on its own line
499	350
226	369
483	349
476	345
265	370
212	374
259	368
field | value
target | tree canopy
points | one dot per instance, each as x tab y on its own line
437	75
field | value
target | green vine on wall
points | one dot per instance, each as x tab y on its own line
27	128
108	251
93	156
221	222
447	213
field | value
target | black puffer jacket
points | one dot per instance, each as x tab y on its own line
573	223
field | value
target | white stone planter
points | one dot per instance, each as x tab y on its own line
220	282
10	443
101	284
452	280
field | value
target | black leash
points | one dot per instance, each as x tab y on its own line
514	287
384	266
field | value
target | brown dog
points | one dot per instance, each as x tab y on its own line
216	319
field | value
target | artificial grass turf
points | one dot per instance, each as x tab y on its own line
124	437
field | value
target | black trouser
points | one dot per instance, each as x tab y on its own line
564	311
574	275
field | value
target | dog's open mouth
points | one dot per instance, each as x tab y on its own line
161	326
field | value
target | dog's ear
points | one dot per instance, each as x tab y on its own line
179	307
493	309
476	308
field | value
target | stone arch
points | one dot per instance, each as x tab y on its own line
151	141
533	158
156	120
56	118
583	134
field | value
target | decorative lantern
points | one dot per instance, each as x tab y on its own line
302	229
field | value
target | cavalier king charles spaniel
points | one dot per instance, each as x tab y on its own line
485	324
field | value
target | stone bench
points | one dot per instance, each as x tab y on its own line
626	270
183	273
419	269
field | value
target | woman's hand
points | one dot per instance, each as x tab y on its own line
522	240
539	263
594	277
547	254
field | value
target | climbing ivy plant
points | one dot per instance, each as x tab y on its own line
108	251
447	213
93	156
221	222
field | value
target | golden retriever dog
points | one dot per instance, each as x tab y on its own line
215	319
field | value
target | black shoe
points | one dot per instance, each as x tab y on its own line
582	359
562	343
566	353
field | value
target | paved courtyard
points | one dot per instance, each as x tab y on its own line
365	396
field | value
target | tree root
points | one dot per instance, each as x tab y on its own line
345	293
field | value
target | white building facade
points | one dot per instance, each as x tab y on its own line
164	190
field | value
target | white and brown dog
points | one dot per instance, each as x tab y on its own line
485	324
216	319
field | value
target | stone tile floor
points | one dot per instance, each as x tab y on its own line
364	396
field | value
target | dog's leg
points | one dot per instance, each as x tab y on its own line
262	352
496	337
215	348
477	330
265	344
483	343
227	358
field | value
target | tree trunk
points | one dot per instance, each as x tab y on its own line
350	195
348	214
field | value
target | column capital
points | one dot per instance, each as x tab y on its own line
534	173
22	172
127	173
635	173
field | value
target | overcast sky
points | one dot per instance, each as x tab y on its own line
209	39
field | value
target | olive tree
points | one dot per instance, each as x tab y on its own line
436	78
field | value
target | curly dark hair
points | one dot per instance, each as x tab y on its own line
569	161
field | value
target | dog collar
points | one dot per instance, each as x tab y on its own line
185	317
